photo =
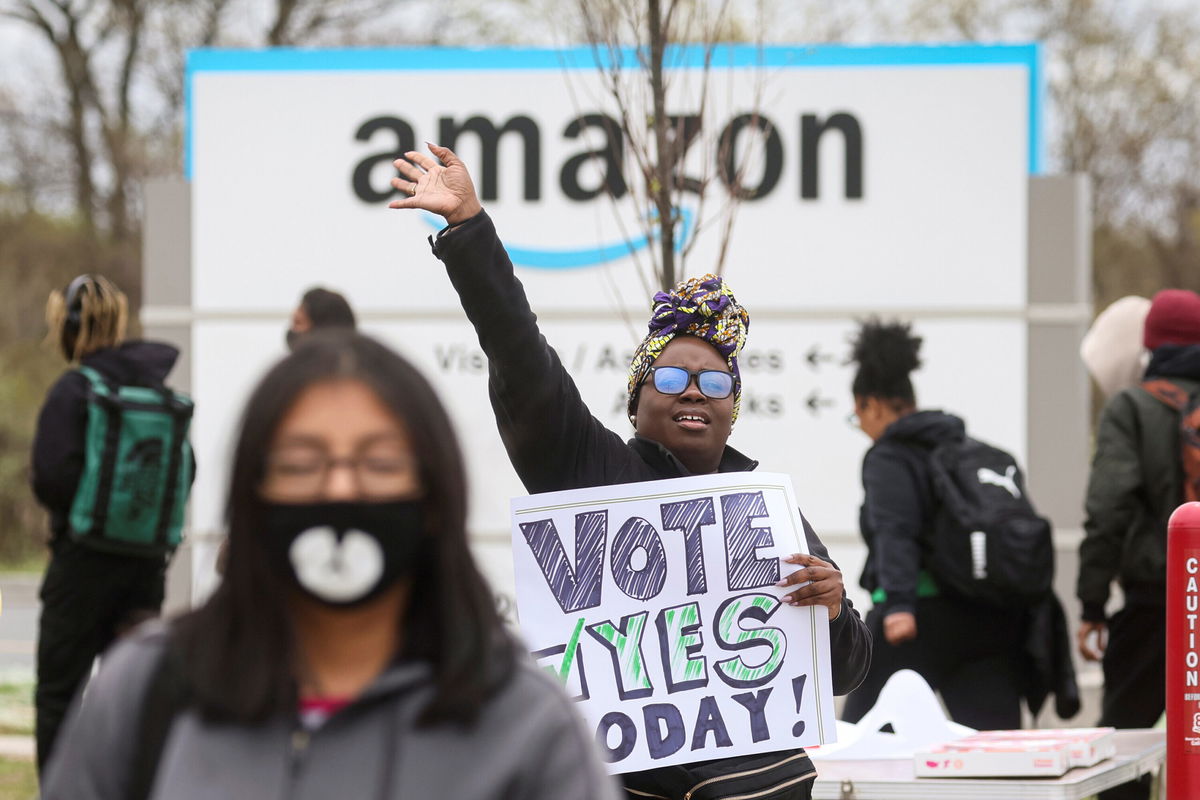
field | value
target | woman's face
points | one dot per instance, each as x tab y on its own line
339	442
692	426
874	416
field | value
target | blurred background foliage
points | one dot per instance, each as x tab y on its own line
91	99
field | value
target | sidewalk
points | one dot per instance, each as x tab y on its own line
16	747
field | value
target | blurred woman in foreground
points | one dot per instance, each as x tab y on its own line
353	649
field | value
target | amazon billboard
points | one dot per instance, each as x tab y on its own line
866	179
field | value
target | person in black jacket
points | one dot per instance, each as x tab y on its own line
88	597
1136	482
553	440
970	654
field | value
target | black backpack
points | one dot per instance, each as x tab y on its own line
987	543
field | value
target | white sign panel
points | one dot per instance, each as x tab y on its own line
656	605
885	180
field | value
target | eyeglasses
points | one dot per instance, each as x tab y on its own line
302	473
713	383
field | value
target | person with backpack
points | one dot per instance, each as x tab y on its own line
353	649
112	466
1146	463
683	394
934	610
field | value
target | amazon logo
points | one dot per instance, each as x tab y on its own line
599	171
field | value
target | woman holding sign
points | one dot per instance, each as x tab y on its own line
353	649
684	390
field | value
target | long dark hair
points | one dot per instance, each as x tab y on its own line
237	652
886	354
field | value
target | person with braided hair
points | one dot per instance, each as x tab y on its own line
684	391
89	596
971	654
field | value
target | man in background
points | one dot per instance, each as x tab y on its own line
319	308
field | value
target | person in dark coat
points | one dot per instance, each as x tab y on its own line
88	597
552	438
1136	482
971	654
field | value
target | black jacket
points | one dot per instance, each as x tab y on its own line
553	441
899	503
57	459
1136	482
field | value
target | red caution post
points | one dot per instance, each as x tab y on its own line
1183	653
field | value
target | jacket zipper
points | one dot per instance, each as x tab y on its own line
808	776
733	775
646	794
298	748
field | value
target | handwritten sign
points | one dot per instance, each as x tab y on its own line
655	603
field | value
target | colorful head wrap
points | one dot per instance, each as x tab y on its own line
703	307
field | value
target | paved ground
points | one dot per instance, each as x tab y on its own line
18	642
18	622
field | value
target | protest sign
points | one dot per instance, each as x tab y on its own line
655	603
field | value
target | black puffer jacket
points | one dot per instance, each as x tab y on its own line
57	459
1134	486
553	441
899	503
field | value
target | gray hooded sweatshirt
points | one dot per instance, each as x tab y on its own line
527	744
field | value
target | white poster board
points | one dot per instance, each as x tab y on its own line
656	605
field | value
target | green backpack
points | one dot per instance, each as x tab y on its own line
137	469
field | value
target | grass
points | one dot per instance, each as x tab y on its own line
32	563
16	709
18	779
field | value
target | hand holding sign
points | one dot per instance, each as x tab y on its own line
445	189
825	585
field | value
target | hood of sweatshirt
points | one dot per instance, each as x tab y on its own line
137	363
925	428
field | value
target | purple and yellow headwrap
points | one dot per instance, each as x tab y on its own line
703	307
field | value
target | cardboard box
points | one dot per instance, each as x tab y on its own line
997	758
1089	746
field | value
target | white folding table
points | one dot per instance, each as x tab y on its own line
1138	752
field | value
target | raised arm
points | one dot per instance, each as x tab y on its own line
552	438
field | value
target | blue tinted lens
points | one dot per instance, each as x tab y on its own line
671	380
716	385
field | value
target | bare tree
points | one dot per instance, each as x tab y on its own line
656	136
1124	91
121	70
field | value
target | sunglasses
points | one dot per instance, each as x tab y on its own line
713	383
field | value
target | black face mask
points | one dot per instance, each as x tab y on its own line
345	554
292	338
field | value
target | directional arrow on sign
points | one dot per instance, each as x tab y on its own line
814	356
815	402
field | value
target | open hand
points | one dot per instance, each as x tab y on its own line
444	189
825	587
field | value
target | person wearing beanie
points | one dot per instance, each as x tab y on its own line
1136	482
683	393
